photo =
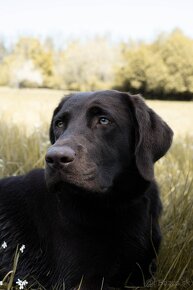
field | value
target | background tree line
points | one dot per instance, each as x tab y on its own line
161	70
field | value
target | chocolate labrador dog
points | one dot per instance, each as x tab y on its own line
91	217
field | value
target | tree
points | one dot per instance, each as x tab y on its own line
86	65
177	54
162	69
29	52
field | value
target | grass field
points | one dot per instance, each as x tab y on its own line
24	120
34	107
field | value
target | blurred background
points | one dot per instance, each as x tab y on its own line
48	48
136	46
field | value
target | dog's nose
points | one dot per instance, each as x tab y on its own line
59	155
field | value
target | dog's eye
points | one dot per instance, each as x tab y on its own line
104	121
59	124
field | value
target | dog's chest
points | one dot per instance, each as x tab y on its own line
81	251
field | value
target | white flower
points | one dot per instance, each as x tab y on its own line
4	245
1	283
21	283
22	248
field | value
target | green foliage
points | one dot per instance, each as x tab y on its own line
3	51
160	70
86	65
79	66
163	69
29	62
31	48
4	74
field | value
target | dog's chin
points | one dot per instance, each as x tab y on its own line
60	183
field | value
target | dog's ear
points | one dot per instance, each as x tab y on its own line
57	109
153	137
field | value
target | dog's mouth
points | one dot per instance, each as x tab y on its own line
88	180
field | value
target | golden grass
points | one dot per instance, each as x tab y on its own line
178	114
28	107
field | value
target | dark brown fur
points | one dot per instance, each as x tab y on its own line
93	212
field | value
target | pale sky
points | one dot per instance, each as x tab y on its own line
121	19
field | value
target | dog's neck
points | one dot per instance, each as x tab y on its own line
92	209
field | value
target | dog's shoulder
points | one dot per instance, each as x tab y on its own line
21	200
16	189
22	210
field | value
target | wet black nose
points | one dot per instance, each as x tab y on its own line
59	156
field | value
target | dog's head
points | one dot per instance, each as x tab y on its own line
97	136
